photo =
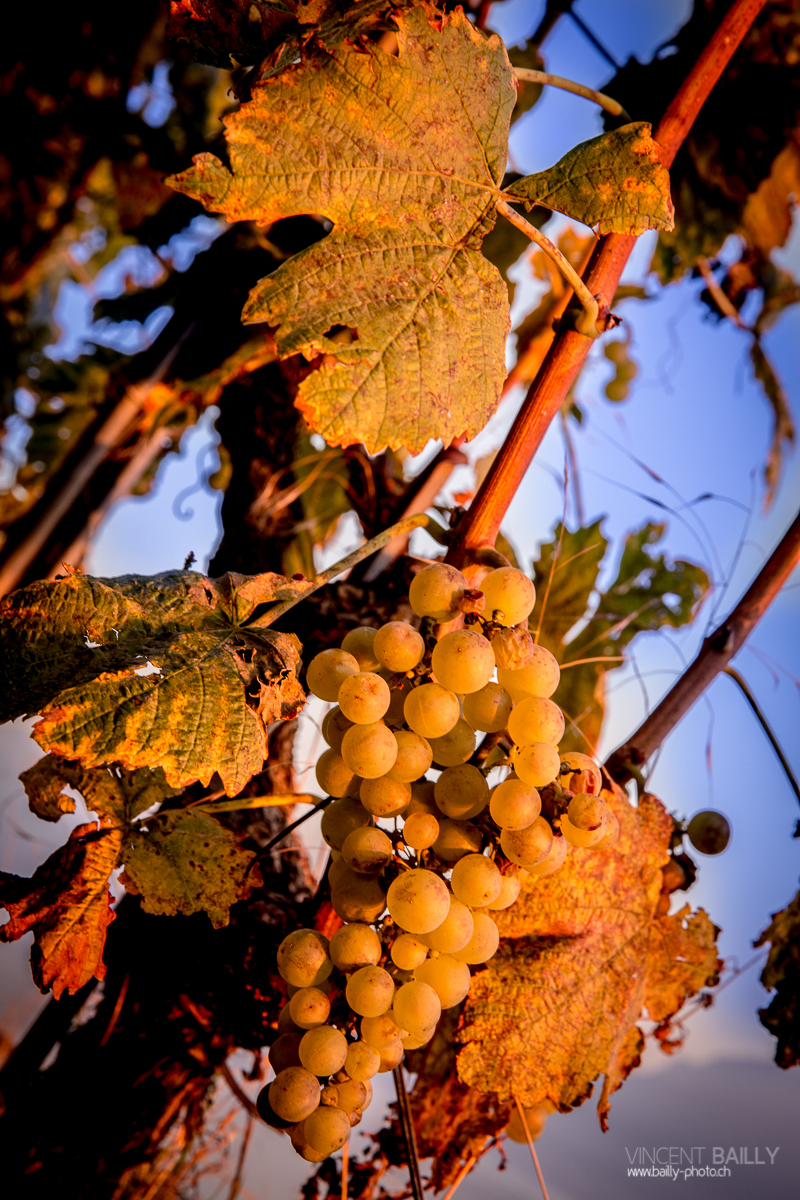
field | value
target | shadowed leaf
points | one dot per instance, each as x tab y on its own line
615	183
112	793
782	972
405	155
186	862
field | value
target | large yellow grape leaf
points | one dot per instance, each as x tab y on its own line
167	671
66	906
405	155
614	183
186	862
582	957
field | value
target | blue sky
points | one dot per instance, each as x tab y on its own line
697	419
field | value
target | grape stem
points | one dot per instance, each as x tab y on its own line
528	75
290	829
751	700
586	323
532	1148
568	351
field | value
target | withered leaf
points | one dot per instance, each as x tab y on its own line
186	862
582	955
615	183
782	972
405	155
167	671
117	795
66	906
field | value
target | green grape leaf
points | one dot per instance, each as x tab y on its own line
615	183
112	793
404	318
583	957
782	972
186	862
165	671
66	907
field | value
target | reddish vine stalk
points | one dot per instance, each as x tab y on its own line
715	654
566	356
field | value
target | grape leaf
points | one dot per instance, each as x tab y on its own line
112	793
66	906
186	862
615	183
75	649
782	972
405	155
581	956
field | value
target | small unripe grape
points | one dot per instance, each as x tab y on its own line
709	831
513	648
586	820
418	900
408	951
448	977
360	643
510	592
455	930
327	672
509	890
476	881
303	958
431	710
416	1007
364	698
362	1061
294	1094
323	1050
420	831
355	945
370	991
367	851
534	719
489	708
535	1118
334	726
455	747
414	756
539	677
333	774
284	1051
483	943
461	792
342	818
536	763
369	750
436	591
309	1007
463	661
456	838
399	646
379	1032
553	860
327	1130
384	796
531	845
514	804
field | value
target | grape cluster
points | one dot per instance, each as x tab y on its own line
440	854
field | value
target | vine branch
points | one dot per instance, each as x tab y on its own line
715	653
568	351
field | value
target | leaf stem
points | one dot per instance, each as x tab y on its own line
568	351
281	801
527	75
405	525
532	1148
587	321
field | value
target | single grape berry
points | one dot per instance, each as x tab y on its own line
709	832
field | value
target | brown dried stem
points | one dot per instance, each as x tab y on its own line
566	356
715	654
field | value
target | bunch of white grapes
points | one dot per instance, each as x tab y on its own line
440	855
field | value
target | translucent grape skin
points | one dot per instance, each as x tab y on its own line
418	901
538	677
463	661
455	930
379	1032
414	756
416	1007
509	890
448	977
431	710
461	792
327	1130
455	747
456	838
327	672
369	750
364	698
303	958
476	880
333	775
384	796
408	952
294	1094
514	804
420	831
484	941
489	708
362	1061
535	719
355	945
535	1119
399	646
709	831
587	818
529	845
436	590
536	763
309	1007
553	860
334	726
360	643
341	818
370	991
323	1050
509	592
367	851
